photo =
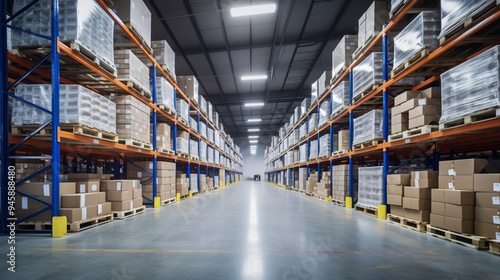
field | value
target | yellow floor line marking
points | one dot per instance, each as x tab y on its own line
402	264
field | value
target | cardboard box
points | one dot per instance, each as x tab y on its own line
488	199
467	166
137	202
399	118
437	220
159	188
119	185
119	196
465	212
398	127
487	215
78	200
417	215
45	189
122	205
74	214
424	110
104	209
416	204
100	197
459	225
424	175
446	182
438	195
418	193
459	182
395	189
459	197
491	231
398	179
74	177
415	102
432	92
423	120
424	183
487	182
405	96
137	193
87	186
438	208
398	211
395	199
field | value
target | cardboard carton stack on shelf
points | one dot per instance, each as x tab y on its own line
124	195
25	168
189	86
342	54
340	176
137	16
371	22
182	183
165	94
133	72
487	211
324	82
183	142
414	109
203	182
165	56
417	197
396	184
165	182
341	141
163	137
132	119
323	188
312	181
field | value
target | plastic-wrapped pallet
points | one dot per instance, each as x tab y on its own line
421	33
368	127
183	109
471	86
137	14
324	112
370	186
182	145
303	153
303	130
193	148
203	129
217	139
312	123
193	183
202	103
395	4
165	94
324	82
313	149
340	97
304	106
210	110
342	54
454	13
130	68
189	86
210	155
83	21
302	178
314	91
296	114
193	124
210	134
324	146
371	22
164	55
217	157
203	151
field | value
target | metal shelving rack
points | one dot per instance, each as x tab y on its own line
475	142
115	153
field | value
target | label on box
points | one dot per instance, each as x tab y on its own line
450	185
416	183
24	202
82	188
82	200
496	200
151	165
99	208
94	187
139	174
496	220
84	213
119	186
46	190
131	204
497	235
133	184
422	101
451	172
496	187
96	141
417	176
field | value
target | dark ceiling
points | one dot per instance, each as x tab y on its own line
292	46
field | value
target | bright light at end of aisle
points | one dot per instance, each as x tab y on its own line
254	104
253	77
253	146
253	141
253	136
253	129
254	120
253	10
253	152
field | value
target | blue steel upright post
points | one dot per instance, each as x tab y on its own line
156	201
382	208
350	199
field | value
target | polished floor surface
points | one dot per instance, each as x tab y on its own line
250	230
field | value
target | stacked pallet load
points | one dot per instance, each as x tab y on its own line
182	110
487	211
165	180
312	124
132	72
341	142
164	138
313	149
189	86
370	25
182	184
304	106
193	149
25	168
324	146
370	189
165	56
324	113
136	15
342	55
302	179
324	83
182	143
203	183
311	182
368	129
415	113
125	197
165	95
396	184
323	188
340	180
132	122
340	98
417	197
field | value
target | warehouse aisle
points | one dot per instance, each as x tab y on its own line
250	230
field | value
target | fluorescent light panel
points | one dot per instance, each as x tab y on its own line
253	10
253	147
253	129
253	136
253	152
253	77
253	141
254	104
254	120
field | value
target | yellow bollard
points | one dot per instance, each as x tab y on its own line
190	194
348	202
156	202
382	212
178	197
329	199
59	226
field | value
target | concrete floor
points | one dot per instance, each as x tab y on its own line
250	230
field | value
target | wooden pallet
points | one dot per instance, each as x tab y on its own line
34	226
367	210
182	120
367	144
139	37
137	88
467	240
485	12
410	62
186	196
167	110
195	102
183	155
79	129
340	111
362	49
327	89
168	152
338	75
495	247
407	223
339	153
167	201
136	143
426	129
194	158
484	115
338	202
365	93
395	10
89	223
120	215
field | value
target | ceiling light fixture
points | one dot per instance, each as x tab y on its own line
253	77
253	152
254	104
253	10
253	136
253	141
254	120
253	129
253	147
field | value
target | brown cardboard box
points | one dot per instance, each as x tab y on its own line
424	175
459	197
487	215
425	110
432	92
183	134
100	197
487	182
446	182
43	217
438	208
395	199
122	205
460	212
87	186
78	200
423	120
405	96
415	102
467	166
424	183
137	193
74	214
104	209
438	195
119	195
159	188
399	118
119	185
40	189
398	179
137	202
396	110
488	199
459	182
418	193
416	204
417	215
91	211
459	225
395	189
398	127
26	203
487	230
73	177
437	220
398	211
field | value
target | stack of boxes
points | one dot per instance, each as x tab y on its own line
414	109
323	189
25	168
132	119
417	197
341	141
189	86
137	15
487	211
165	183
340	180
165	56
395	192
342	54
132	69
312	181
302	179
182	183
124	195
82	206
163	137
203	182
371	22
182	141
